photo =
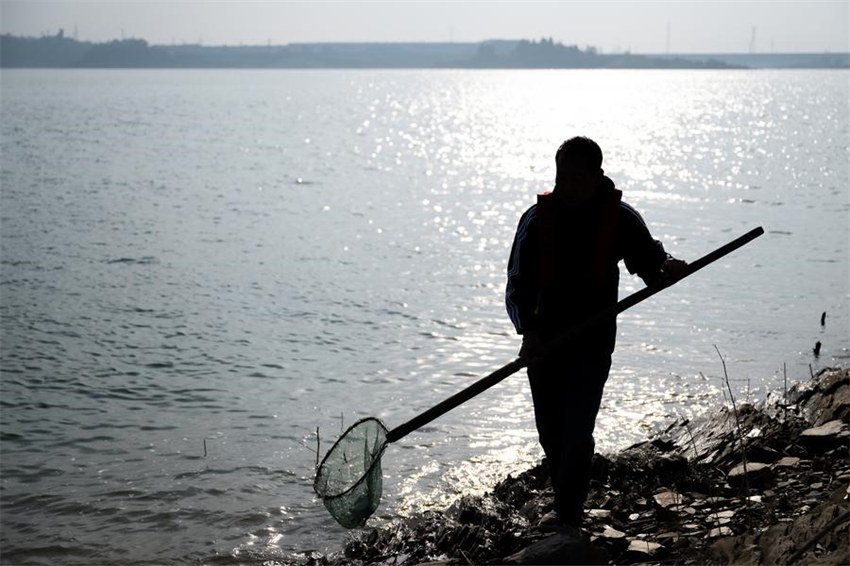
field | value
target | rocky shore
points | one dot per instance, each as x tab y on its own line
766	485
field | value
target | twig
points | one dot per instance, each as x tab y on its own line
317	449
693	442
785	405
740	431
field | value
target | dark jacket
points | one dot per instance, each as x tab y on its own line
563	265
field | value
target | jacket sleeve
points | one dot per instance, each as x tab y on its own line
643	254
521	292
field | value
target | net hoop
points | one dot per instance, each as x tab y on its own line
376	461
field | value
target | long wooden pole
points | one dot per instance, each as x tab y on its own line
509	369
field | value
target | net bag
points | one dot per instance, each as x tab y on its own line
349	478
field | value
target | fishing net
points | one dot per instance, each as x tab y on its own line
349	478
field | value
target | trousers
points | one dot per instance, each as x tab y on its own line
567	394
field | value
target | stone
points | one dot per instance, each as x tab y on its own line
832	428
829	399
611	532
668	536
599	513
722	531
757	474
788	462
667	499
644	548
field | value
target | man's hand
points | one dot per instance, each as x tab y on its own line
530	343
672	270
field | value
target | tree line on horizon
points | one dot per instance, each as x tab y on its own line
59	51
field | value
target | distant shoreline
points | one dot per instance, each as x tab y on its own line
62	52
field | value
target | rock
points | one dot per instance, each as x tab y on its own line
827	398
599	513
778	543
722	531
667	499
643	549
828	432
558	549
721	517
612	533
736	550
531	510
757	475
788	462
668	536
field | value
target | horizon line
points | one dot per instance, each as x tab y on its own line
201	43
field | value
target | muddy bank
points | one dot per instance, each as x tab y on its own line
690	495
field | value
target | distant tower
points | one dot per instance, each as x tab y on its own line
753	41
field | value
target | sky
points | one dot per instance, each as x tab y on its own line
677	26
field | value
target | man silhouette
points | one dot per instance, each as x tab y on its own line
563	269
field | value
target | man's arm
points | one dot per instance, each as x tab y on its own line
523	274
643	254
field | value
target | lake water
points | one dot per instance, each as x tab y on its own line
201	268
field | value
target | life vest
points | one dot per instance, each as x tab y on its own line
603	241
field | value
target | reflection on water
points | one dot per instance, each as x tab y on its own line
201	268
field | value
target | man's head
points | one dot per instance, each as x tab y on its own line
579	170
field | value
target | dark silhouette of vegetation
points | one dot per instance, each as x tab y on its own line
51	51
59	51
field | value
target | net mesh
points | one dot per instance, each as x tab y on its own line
349	479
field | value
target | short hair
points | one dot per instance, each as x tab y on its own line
583	148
